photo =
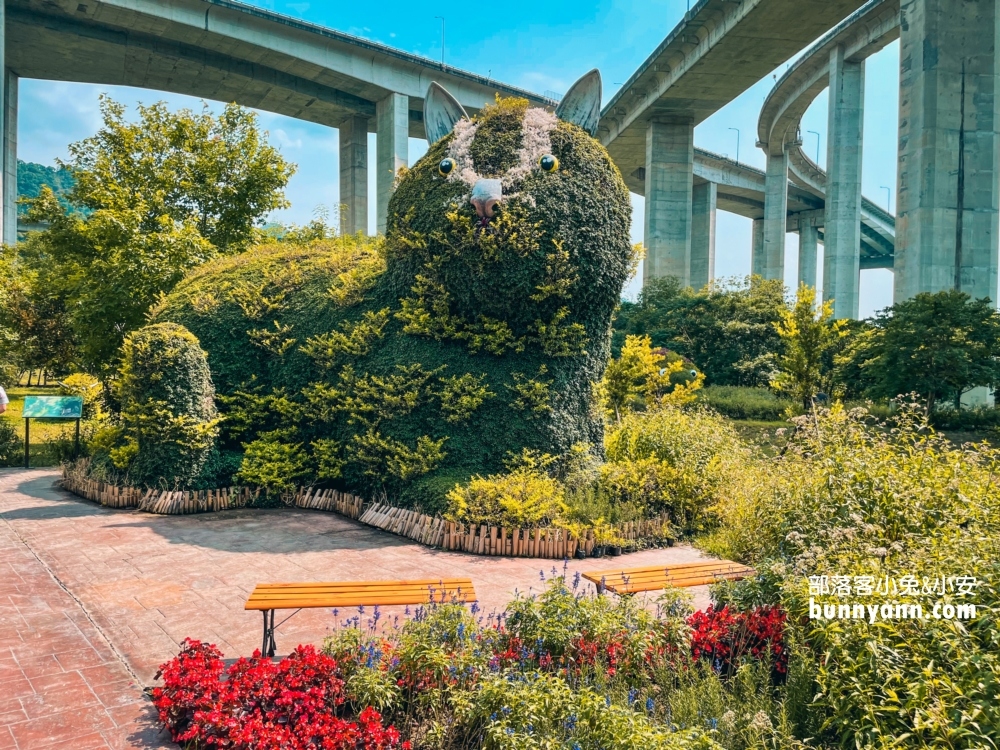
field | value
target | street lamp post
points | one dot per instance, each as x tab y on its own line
442	38
737	144
817	144
888	198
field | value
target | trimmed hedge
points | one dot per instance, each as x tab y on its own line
168	417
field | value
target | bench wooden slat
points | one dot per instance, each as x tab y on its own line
364	584
660	569
348	604
631	588
351	592
359	593
363	597
652	578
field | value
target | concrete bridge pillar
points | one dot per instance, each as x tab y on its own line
808	250
703	208
669	193
775	215
392	130
8	143
949	148
757	260
842	255
9	130
354	175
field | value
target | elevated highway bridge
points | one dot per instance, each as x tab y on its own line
232	52
950	116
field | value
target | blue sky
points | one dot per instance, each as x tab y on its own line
541	46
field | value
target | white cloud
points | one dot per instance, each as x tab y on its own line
284	140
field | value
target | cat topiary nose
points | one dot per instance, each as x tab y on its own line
486	196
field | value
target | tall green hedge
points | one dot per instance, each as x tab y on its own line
168	414
409	363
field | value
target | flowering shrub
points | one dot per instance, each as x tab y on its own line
850	497
259	704
724	636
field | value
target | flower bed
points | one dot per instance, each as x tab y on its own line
557	670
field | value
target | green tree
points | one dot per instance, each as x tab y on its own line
642	376
34	324
155	197
728	330
938	345
809	335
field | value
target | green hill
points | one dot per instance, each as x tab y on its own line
31	177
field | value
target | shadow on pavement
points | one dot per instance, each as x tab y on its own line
149	733
269	530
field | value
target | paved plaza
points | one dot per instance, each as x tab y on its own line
93	600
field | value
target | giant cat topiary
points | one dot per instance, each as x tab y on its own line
476	329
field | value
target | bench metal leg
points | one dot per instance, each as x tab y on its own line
268	646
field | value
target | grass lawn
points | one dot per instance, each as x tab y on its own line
764	434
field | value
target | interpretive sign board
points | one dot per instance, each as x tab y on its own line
50	407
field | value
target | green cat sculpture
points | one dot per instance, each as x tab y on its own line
476	329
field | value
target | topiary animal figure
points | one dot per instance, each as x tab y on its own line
474	330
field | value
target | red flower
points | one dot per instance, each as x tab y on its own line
261	704
724	637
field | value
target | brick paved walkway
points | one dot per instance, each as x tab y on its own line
93	600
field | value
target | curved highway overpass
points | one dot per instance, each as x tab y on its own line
861	35
719	50
948	194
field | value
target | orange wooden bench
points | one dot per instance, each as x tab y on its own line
656	577
268	597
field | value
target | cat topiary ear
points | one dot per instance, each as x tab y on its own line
441	112
582	103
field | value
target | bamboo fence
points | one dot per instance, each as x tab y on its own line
339	502
499	541
477	539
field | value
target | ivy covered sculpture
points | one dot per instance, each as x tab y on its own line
473	330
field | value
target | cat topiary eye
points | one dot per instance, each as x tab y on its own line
446	166
548	163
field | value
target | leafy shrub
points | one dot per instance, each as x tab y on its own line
979	418
646	483
522	498
852	498
727	329
429	493
89	388
11	445
168	417
737	402
543	712
701	448
258	704
642	377
274	464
